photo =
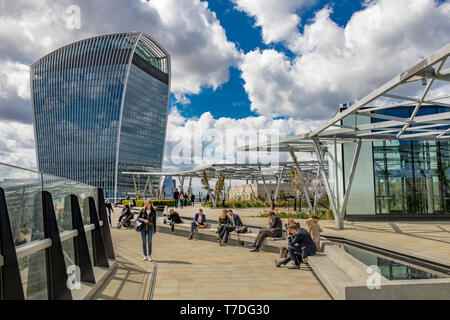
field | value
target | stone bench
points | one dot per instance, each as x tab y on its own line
209	233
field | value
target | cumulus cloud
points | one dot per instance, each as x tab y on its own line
278	20
197	141
188	29
16	144
336	64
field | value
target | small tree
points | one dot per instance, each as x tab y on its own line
205	185
219	187
317	188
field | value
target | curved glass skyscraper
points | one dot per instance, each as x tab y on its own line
100	107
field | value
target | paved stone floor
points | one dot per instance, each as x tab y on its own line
426	239
201	270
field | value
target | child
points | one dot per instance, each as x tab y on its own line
314	229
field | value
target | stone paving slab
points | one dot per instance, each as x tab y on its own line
201	270
429	240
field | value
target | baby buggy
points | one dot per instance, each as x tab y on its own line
125	218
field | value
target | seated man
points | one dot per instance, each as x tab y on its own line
173	217
235	223
199	220
274	230
300	247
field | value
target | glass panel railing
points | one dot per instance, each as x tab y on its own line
24	202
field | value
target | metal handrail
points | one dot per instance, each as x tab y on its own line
66	235
36	246
88	228
32	247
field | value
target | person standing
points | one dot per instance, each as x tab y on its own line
109	210
176	194
192	199
274	230
314	229
147	216
199	220
181	199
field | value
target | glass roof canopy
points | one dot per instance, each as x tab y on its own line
236	171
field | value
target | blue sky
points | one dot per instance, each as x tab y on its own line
230	99
239	65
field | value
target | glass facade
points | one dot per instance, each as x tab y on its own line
411	177
100	108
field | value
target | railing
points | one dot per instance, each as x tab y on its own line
50	226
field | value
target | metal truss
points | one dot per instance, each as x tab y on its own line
346	127
245	172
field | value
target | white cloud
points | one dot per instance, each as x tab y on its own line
17	145
278	20
200	52
217	139
13	75
188	29
338	64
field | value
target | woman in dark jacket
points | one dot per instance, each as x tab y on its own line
148	217
224	220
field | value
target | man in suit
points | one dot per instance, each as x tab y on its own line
199	220
235	222
274	231
176	195
300	247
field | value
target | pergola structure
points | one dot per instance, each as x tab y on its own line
239	171
348	126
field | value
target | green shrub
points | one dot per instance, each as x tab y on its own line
156	202
237	204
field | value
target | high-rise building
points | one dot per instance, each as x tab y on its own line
100	107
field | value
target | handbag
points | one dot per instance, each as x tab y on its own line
241	229
138	226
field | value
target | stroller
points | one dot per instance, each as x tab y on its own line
125	218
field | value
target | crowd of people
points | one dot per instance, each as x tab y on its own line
181	199
300	242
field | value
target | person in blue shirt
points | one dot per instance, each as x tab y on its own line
199	220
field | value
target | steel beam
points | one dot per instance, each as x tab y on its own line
54	257
81	252
350	179
304	188
269	197
106	232
11	283
278	184
339	224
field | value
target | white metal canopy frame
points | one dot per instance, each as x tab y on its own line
241	171
395	94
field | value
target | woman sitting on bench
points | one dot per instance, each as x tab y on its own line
198	222
173	217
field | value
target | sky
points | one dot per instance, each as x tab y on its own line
238	66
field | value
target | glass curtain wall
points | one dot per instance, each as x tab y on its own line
411	177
